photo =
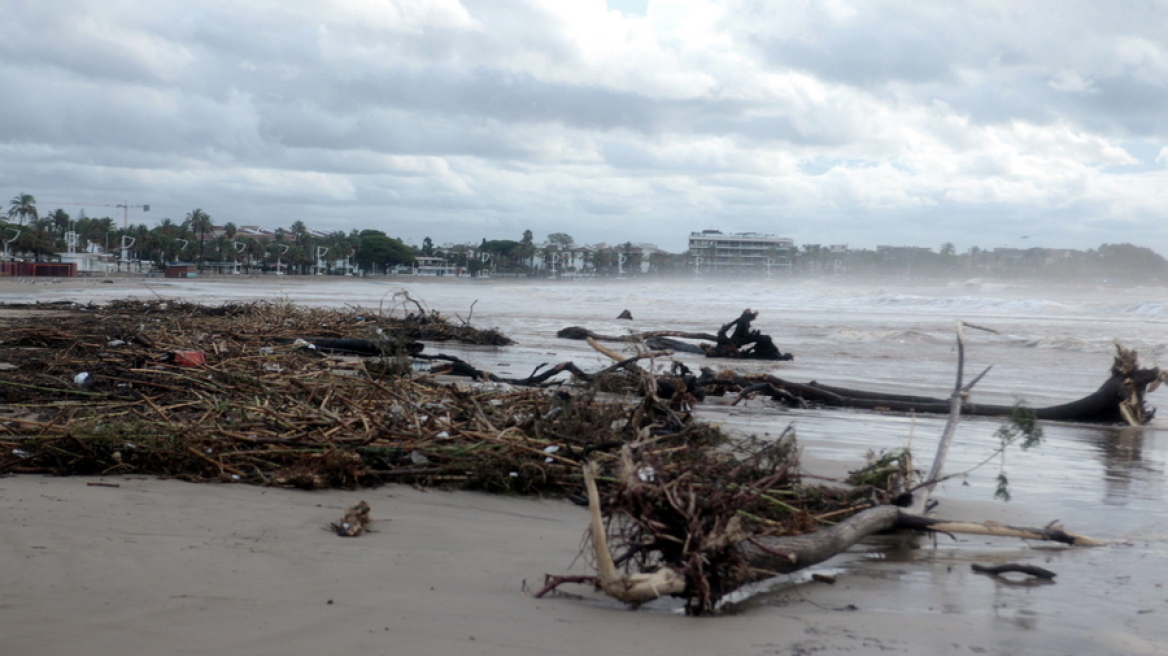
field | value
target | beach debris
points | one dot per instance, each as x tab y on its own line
1029	570
708	523
1120	399
297	417
685	509
743	343
189	358
354	523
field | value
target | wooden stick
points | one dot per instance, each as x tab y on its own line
636	588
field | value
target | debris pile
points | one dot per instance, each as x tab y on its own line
690	511
119	389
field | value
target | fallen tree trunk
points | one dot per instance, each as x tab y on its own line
581	333
1121	398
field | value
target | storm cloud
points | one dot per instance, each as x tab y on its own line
875	122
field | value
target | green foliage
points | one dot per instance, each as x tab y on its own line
1021	427
888	470
23	207
375	248
1022	423
504	247
1130	262
561	239
1003	490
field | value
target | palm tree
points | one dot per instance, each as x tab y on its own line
37	239
300	234
60	220
200	222
22	206
99	232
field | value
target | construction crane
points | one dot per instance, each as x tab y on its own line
125	207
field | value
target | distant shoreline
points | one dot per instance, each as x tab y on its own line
26	290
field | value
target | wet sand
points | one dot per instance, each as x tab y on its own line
155	566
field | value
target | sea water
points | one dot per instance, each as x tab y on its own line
1049	345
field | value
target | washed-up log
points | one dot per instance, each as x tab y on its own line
1121	398
581	333
449	365
661	343
1029	570
735	339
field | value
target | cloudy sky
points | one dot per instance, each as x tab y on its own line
866	122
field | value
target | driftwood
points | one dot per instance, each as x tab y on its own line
745	342
581	333
718	551
543	374
767	556
262	413
1030	570
1121	398
742	343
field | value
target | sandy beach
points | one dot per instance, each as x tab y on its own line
153	566
136	566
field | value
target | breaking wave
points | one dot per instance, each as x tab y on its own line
1068	344
971	304
1145	309
899	336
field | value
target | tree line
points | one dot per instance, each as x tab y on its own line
198	239
195	239
1122	262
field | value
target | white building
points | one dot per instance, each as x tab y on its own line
711	251
433	266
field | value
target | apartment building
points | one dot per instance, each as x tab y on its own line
711	251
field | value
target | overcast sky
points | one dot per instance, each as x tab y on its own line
1011	123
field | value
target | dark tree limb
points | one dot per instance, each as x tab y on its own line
1031	570
1121	398
745	342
